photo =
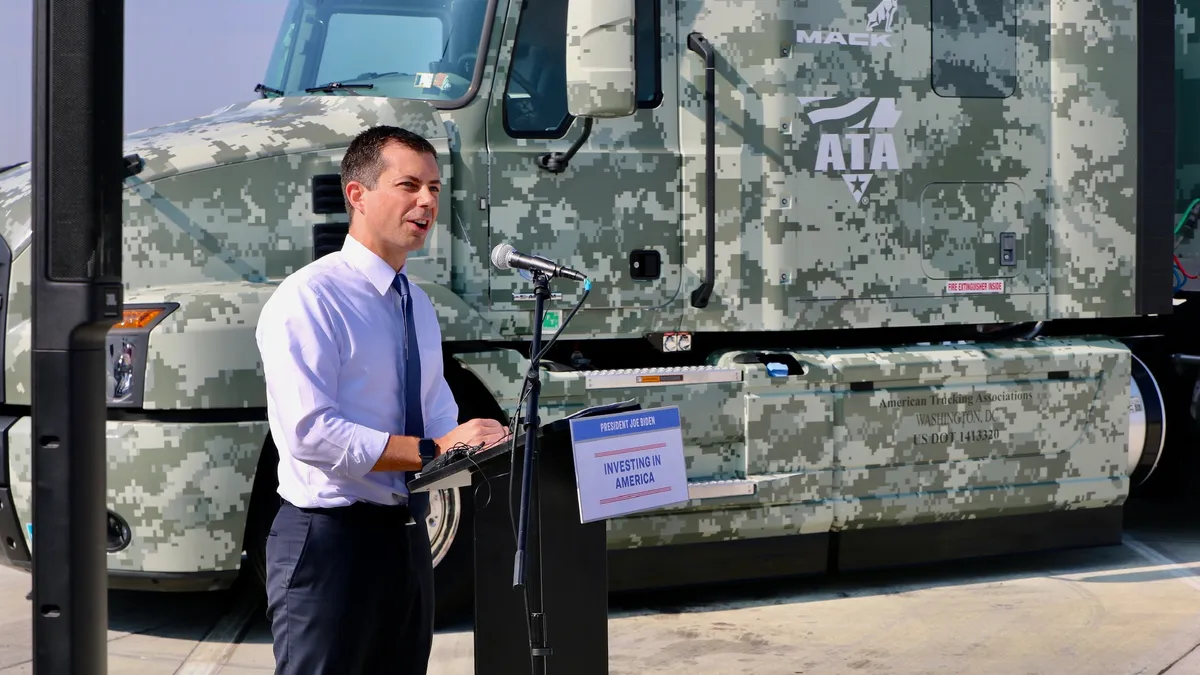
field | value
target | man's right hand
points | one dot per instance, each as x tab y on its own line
400	453
474	432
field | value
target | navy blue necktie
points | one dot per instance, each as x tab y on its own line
414	423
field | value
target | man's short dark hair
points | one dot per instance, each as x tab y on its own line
363	161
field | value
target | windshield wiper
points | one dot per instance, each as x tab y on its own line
334	86
264	90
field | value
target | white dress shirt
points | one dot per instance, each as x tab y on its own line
331	342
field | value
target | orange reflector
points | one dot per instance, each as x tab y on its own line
138	318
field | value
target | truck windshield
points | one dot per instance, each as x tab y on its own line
414	49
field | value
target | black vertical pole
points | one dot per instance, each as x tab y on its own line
77	174
527	571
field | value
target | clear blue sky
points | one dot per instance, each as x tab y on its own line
182	58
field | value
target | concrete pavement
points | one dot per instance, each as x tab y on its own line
1121	610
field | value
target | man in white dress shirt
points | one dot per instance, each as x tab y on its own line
354	405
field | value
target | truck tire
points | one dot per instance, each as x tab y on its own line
451	538
454	543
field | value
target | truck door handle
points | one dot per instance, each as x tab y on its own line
703	47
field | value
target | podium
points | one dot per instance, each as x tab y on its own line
567	559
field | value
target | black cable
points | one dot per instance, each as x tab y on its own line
487	481
512	451
587	288
512	456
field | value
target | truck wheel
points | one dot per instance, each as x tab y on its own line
445	517
452	511
451	539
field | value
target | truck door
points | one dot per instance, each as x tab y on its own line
613	213
879	162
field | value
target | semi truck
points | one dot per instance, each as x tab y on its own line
912	272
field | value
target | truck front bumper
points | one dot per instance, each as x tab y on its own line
177	495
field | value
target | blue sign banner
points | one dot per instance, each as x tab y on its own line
622	424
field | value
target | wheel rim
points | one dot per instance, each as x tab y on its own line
445	512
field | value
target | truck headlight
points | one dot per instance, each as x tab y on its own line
122	370
127	344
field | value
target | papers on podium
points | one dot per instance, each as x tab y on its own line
628	462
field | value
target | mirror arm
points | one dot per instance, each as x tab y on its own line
556	162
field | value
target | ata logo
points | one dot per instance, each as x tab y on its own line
880	18
865	145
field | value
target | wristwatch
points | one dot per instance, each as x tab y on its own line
427	448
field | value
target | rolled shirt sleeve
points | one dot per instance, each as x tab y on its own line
300	343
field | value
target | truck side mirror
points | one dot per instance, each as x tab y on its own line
601	75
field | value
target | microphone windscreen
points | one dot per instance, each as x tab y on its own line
500	255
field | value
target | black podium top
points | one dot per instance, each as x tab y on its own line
458	473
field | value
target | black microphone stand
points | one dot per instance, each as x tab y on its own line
530	577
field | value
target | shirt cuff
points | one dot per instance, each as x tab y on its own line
440	427
366	448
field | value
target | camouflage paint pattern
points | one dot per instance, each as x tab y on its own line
18	327
1094	143
217	241
203	354
16	219
952	444
946	433
633	161
789	257
713	445
183	489
814	249
850	191
1187	137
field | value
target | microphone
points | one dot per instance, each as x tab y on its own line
504	257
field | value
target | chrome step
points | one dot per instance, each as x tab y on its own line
652	377
721	488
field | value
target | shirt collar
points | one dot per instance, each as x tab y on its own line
375	269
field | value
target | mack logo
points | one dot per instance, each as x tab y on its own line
863	147
817	37
882	17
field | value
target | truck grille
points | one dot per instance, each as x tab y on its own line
328	237
327	194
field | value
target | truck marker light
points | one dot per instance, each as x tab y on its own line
138	318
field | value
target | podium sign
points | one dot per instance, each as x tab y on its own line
568	559
597	463
628	462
